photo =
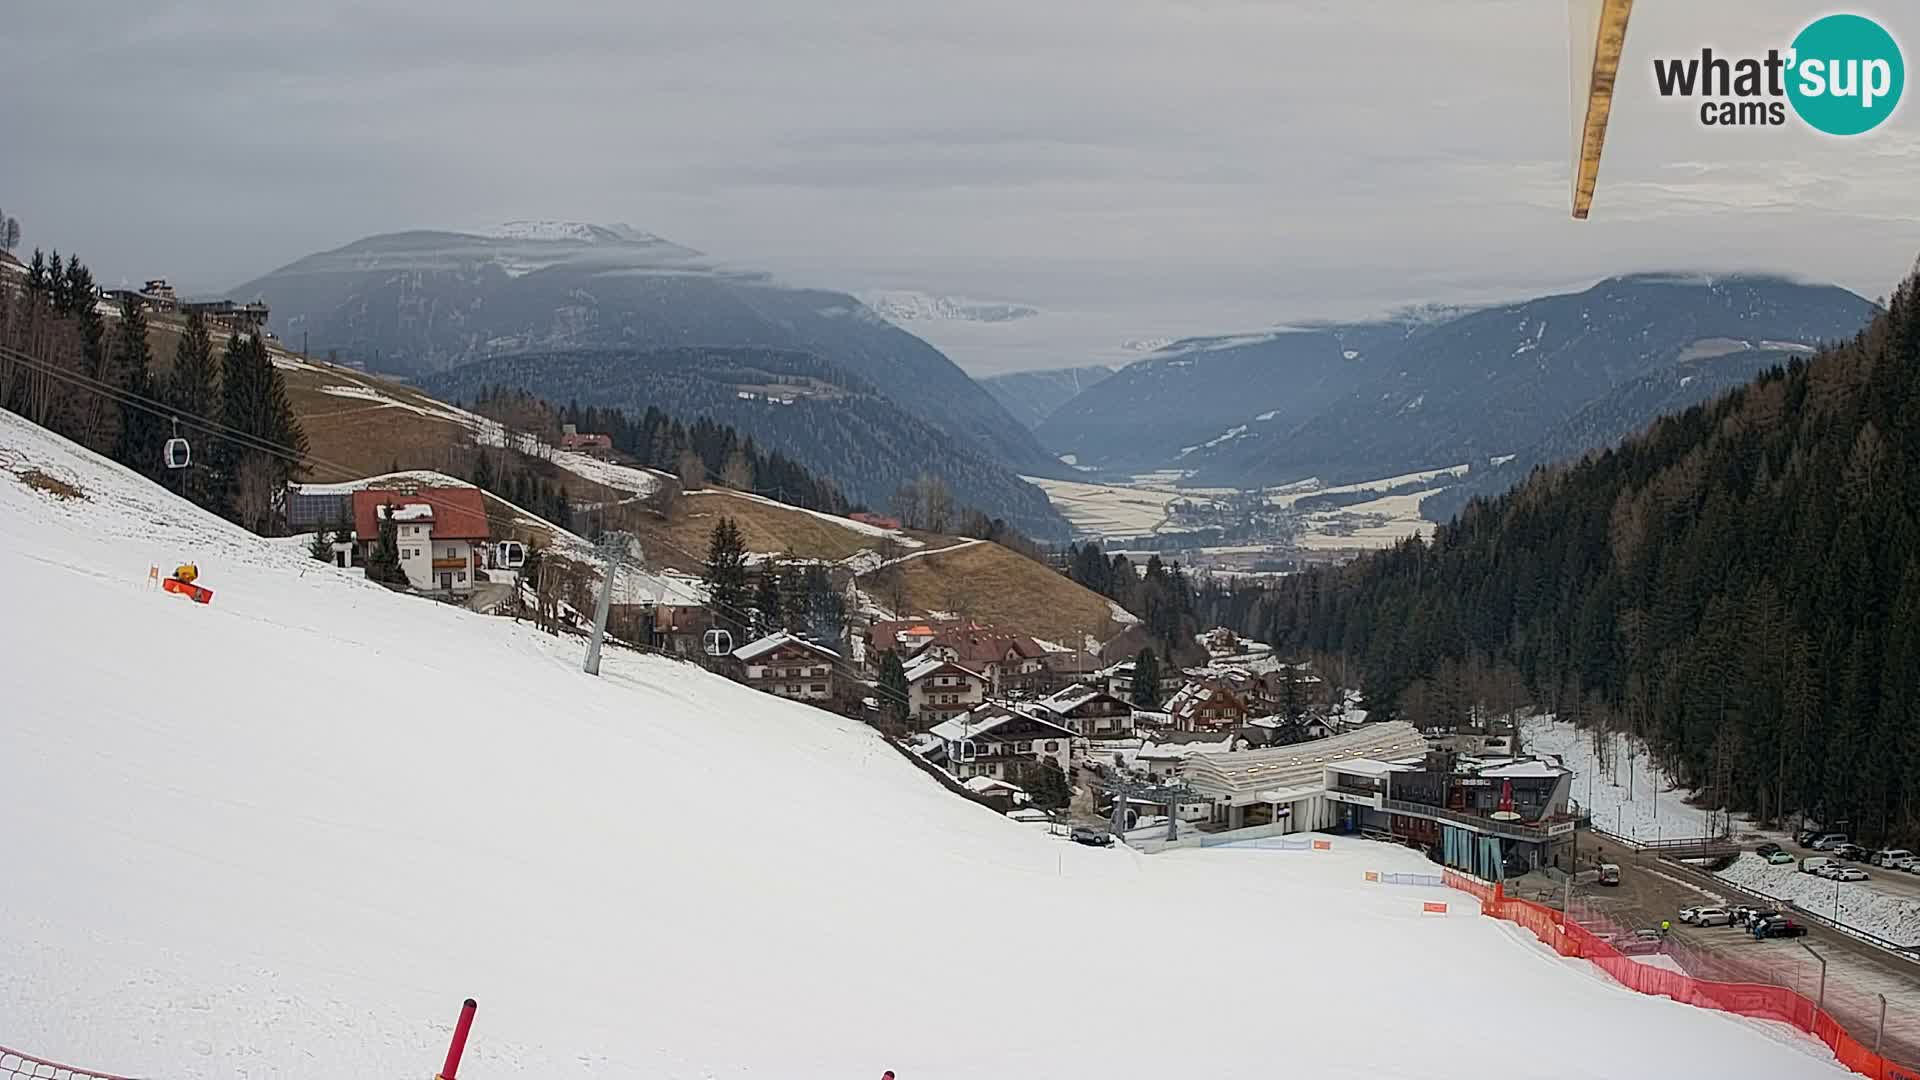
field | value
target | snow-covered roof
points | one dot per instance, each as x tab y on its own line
1072	698
1241	775
1369	767
1520	770
409	512
987	719
1182	751
753	650
981	785
922	666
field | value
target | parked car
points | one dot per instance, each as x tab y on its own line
1688	914
1829	871
1780	927
1609	874
1892	858
1747	916
1092	837
1851	852
1766	849
1829	841
1812	864
1780	858
1850	873
1713	916
1806	837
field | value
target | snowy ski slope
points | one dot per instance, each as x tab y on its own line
283	835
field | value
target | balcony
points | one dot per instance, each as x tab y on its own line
1512	830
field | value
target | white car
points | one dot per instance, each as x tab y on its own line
1688	914
1712	916
1850	873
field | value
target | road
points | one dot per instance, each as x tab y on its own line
1857	973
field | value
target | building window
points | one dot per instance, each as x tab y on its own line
1053	746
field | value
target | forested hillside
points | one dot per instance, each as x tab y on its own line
816	413
1741	585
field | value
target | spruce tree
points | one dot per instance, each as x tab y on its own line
142	435
725	575
1146	680
894	701
263	444
826	608
383	562
193	391
768	612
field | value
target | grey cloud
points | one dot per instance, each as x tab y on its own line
1130	166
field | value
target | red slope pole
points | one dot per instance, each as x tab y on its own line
459	1044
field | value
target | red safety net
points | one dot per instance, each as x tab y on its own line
15	1065
1747	999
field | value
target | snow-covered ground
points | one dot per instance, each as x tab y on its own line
1651	809
285	833
1862	907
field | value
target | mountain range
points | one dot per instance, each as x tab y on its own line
827	419
1032	396
422	302
1516	384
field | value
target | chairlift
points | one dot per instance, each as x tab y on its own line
177	454
719	642
509	555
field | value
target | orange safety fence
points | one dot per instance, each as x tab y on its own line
1745	999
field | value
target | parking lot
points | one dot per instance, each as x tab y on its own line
1857	973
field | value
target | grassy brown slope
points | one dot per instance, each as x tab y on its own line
350	438
991	585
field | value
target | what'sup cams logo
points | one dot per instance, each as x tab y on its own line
1842	75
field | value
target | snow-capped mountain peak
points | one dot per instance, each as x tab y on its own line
907	305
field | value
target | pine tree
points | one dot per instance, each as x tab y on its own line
726	575
894	700
826	608
383	562
1146	680
264	444
142	435
193	392
1047	787
483	471
769	613
321	547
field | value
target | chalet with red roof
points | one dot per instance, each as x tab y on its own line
440	532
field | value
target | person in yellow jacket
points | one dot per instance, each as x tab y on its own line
186	572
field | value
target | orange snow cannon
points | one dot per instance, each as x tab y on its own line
182	583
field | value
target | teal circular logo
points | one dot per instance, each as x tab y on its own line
1847	74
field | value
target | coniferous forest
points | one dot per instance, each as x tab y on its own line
67	367
1740	585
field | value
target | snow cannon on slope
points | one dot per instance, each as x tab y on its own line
183	582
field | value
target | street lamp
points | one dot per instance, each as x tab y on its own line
1821	1005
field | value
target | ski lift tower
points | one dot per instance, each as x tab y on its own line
1125	789
616	548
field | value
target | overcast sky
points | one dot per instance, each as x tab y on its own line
1134	168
